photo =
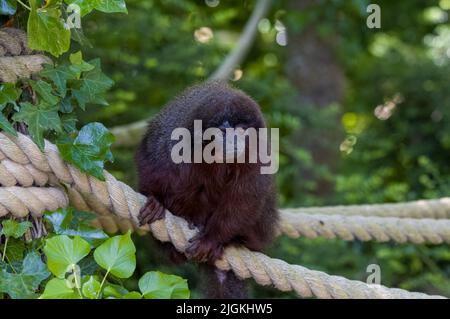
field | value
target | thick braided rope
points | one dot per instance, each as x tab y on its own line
431	208
32	166
35	200
20	202
364	228
119	198
17	169
283	276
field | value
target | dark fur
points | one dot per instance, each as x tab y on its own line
230	203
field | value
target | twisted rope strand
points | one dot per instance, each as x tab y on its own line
120	199
431	208
21	201
88	193
364	228
293	225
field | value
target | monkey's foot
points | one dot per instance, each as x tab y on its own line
202	249
152	211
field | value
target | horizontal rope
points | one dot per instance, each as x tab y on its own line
118	198
270	271
380	229
244	263
22	201
430	208
293	225
17	169
13	68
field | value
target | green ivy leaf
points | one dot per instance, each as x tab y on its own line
78	64
58	289
63	253
69	123
12	228
5	124
91	288
66	105
86	6
35	268
64	222
95	84
82	218
23	285
117	256
9	93
17	286
44	90
78	36
132	295
39	118
59	76
114	291
8	7
157	285
110	6
15	250
46	30
89	150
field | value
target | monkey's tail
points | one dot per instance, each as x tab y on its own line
220	284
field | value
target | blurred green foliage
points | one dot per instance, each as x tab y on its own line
395	116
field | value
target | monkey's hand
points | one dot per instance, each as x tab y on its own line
152	211
204	249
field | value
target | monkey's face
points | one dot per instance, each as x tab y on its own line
231	122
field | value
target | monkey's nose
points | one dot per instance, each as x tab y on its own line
224	126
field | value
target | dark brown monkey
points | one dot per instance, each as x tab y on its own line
231	203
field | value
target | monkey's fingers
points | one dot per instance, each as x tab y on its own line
152	211
202	250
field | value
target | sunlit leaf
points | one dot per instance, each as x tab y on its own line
59	289
46	30
78	64
63	253
117	256
132	295
110	6
91	288
157	285
114	291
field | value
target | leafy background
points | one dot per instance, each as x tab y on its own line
376	131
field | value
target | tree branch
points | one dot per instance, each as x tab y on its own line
245	42
130	134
